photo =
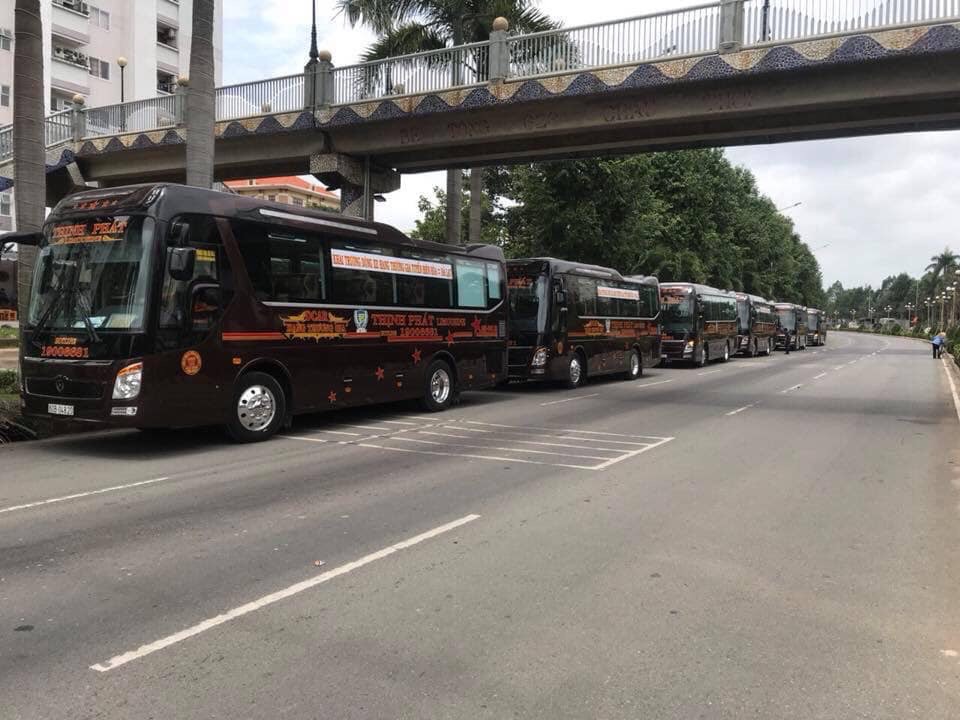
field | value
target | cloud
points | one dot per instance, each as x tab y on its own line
880	205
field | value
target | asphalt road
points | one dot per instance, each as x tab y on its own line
769	538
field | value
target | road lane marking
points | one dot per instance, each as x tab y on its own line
821	375
503	449
709	372
791	389
578	397
740	410
521	442
839	367
953	388
400	422
646	385
474	457
634	453
563	430
144	650
77	496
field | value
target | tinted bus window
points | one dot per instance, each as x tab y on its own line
586	297
471	284
426	291
282	266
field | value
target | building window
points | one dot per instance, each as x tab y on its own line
5	204
99	68
99	18
57	104
298	202
167	36
6	38
4	96
272	198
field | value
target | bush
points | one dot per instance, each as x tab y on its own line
8	332
8	382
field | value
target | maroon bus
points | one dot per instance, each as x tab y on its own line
571	320
756	325
168	306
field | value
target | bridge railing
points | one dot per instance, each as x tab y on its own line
446	69
58	128
284	94
783	20
718	26
137	116
688	31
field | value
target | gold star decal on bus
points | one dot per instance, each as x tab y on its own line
476	325
332	397
450	339
380	373
417	355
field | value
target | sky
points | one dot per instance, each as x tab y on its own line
870	207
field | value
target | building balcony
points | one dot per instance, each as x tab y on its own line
168	57
75	6
169	11
70	70
70	23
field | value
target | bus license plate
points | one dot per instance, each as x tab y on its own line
55	409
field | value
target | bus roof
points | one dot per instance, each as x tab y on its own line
789	306
567	266
754	298
181	199
700	289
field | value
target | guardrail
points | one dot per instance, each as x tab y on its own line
448	69
138	116
781	20
712	27
284	94
647	37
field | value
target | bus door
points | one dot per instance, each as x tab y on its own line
190	363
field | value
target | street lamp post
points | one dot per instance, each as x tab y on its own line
122	62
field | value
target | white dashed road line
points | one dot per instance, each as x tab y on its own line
77	496
821	375
646	385
571	399
144	650
709	372
791	389
740	410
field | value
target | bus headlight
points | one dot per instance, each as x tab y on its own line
540	357
127	386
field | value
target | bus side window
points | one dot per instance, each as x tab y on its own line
494	282
586	297
359	286
205	237
471	284
421	291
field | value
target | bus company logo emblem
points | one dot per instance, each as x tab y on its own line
60	383
360	320
191	362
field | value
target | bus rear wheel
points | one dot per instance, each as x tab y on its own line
634	366
259	408
439	388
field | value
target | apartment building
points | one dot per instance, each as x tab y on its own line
84	43
292	190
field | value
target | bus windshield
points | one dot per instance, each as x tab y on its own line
93	274
678	308
788	319
528	302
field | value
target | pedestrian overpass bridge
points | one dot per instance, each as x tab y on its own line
723	73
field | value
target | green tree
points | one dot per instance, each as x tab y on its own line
941	265
201	98
412	26
29	152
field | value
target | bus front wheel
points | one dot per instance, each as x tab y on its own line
575	371
259	408
634	366
439	390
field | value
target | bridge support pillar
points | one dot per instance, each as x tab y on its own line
359	181
732	25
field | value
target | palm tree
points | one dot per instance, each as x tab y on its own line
411	26
29	153
201	98
941	264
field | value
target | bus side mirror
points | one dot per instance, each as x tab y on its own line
180	263
560	297
180	233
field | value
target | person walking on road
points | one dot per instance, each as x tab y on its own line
937	342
